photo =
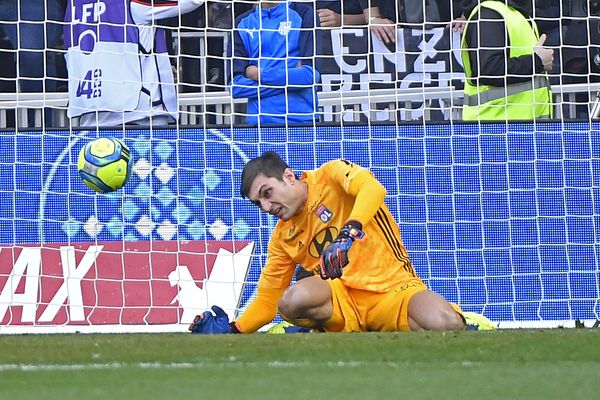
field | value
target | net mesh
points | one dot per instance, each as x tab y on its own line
499	218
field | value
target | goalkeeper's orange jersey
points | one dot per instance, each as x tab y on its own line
338	191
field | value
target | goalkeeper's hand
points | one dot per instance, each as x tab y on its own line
209	323
335	256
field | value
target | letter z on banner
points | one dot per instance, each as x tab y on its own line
114	286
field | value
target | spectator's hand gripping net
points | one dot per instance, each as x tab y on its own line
335	256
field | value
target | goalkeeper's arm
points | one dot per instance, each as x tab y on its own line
260	312
369	196
360	183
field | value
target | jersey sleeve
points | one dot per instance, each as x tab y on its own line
275	278
146	12
360	183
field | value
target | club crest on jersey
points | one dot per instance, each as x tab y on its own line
323	213
284	27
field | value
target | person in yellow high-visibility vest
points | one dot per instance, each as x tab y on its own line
505	63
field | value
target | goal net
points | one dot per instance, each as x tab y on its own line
499	217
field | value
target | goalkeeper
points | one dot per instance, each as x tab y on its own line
333	222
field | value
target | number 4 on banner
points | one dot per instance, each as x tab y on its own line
90	85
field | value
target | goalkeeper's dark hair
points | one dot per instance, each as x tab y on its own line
269	165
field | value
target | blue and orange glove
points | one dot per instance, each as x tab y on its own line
209	323
335	256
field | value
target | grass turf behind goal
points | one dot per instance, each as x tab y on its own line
510	364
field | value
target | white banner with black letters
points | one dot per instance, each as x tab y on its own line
354	59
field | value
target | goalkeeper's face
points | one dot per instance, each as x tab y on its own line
281	198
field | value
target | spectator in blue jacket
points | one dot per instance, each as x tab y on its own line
274	63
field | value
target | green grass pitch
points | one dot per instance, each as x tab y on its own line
508	364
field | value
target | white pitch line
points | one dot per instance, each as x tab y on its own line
144	365
95	366
233	363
